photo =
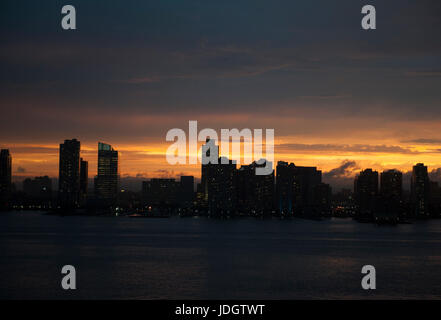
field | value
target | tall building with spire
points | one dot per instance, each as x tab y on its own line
107	179
69	174
210	156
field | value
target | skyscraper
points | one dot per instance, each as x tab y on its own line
69	174
435	198
322	199
218	181
389	203
106	181
295	187
284	187
186	196
84	177
5	177
305	181
391	184
255	193
420	191
366	191
221	188
210	151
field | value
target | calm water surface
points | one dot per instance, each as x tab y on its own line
191	258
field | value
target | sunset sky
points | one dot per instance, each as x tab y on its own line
334	93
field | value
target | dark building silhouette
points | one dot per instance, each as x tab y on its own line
107	179
5	178
160	192
221	188
285	187
391	184
255	193
201	203
389	204
218	181
306	180
322	199
186	194
366	192
69	174
84	178
435	199
38	191
39	187
343	203
210	156
420	191
295	188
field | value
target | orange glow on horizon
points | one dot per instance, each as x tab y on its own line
149	160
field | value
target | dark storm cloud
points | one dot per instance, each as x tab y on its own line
345	169
342	176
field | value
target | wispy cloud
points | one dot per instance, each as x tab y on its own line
424	141
326	96
342	148
21	170
424	74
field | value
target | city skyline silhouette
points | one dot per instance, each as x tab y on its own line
225	189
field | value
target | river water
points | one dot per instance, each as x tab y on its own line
200	258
